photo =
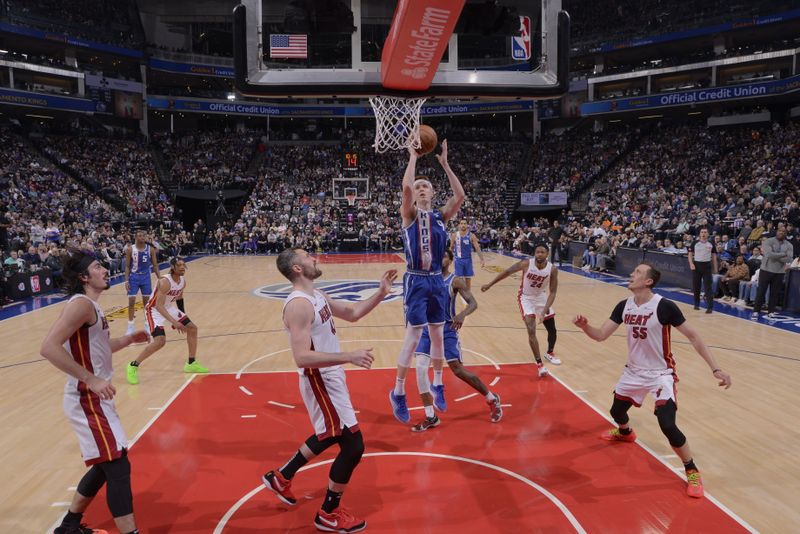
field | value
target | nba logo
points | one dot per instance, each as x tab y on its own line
521	46
35	287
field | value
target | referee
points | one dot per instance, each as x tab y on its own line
702	262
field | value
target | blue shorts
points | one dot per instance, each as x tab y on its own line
425	299
464	267
452	346
140	281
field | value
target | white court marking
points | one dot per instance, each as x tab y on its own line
282	405
552	498
246	391
249	416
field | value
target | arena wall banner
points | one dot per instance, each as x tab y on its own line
39	100
543	198
626	260
576	249
695	32
674	269
191	68
293	110
66	39
695	96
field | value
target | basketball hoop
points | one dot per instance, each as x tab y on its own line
396	122
351	199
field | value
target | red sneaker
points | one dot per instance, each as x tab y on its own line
340	520
495	409
615	435
281	487
694	484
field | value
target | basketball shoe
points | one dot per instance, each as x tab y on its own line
694	484
194	367
438	398
615	435
425	424
399	407
78	529
132	373
495	409
542	370
340	520
552	358
280	486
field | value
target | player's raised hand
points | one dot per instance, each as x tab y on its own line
580	321
387	280
362	358
724	378
103	388
443	156
412	153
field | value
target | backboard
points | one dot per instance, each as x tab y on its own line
304	48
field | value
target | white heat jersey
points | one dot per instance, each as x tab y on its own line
535	282
323	330
175	292
94	420
89	346
649	339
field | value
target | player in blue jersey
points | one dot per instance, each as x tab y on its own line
452	353
140	259
424	292
462	244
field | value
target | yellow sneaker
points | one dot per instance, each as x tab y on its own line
194	367
694	484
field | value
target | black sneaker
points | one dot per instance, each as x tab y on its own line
425	424
78	529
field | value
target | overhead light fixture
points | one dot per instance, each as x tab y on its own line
231	96
615	120
651	116
39	116
695	112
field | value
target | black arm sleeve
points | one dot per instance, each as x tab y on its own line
669	314
616	315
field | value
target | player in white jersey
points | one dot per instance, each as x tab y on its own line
162	309
650	369
308	316
537	292
79	343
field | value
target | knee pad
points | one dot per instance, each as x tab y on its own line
118	492
91	482
318	447
666	421
619	411
410	342
423	378
352	448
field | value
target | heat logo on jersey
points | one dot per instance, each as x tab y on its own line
535	279
347	290
636	319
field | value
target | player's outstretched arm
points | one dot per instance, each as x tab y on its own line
298	318
118	343
702	349
598	334
355	311
407	209
454	203
519	266
472	304
77	313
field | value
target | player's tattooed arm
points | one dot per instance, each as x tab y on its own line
469	298
519	266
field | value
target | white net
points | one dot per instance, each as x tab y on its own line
396	122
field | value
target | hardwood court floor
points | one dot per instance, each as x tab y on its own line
744	439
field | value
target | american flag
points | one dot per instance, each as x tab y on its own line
292	46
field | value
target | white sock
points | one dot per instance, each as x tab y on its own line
400	386
428	411
490	397
437	378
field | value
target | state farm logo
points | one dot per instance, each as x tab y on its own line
422	49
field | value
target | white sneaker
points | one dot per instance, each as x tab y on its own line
754	315
542	370
552	358
772	315
131	329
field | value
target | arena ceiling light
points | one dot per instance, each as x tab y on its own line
39	116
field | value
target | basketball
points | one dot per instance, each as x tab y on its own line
427	139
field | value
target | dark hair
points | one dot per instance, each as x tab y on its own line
286	260
449	253
174	261
76	265
543	245
653	274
